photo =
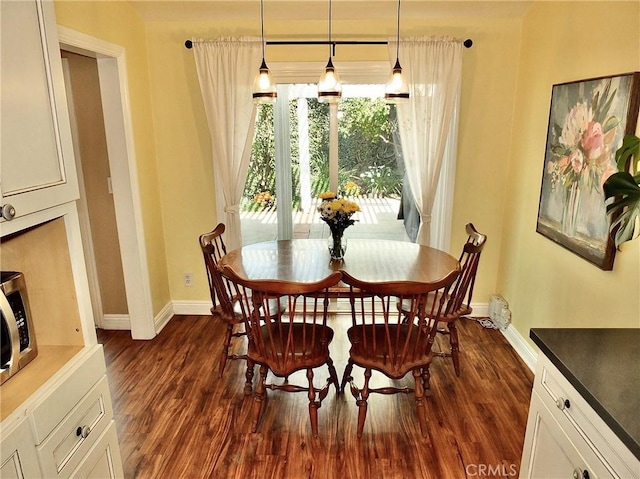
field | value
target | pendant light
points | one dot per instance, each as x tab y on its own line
329	87
397	89
264	90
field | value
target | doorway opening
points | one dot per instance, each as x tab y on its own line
111	65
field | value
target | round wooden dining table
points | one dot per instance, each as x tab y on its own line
308	260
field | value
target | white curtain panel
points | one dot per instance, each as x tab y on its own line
433	69
226	68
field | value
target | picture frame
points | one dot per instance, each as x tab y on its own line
587	121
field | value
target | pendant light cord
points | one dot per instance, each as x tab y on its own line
330	46
398	31
262	25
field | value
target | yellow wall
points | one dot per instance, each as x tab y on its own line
116	22
184	151
507	80
546	285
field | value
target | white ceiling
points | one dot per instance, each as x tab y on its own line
207	10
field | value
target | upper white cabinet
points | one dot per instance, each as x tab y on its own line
37	166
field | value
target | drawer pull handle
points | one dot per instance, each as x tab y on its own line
580	474
83	431
8	212
563	404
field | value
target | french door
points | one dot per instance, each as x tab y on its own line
303	147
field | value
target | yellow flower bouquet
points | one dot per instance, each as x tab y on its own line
337	213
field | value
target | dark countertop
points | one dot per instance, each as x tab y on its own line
604	366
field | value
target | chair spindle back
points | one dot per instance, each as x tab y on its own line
462	291
394	344
285	321
213	249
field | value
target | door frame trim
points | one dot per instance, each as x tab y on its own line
112	71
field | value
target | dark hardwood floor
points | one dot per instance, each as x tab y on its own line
176	418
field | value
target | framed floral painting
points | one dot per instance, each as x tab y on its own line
587	121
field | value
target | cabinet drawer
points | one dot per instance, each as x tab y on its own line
560	397
103	460
580	421
552	451
71	388
66	446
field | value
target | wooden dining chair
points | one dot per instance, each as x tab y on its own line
225	306
459	299
382	340
286	340
459	303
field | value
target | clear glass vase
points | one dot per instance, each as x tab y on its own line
337	245
571	210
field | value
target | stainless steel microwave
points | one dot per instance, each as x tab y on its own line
18	336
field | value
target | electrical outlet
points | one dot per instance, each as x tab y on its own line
188	279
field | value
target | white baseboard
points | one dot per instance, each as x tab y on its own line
123	322
521	346
120	322
199	308
163	317
528	354
480	310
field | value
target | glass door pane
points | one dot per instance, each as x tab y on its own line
370	162
258	213
310	157
367	170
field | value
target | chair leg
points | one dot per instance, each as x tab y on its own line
420	407
346	375
362	402
453	339
259	397
225	348
313	405
248	385
333	375
426	378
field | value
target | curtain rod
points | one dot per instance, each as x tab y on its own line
467	43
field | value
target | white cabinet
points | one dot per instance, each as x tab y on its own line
37	166
554	454
566	438
103	460
18	457
67	429
69	423
56	415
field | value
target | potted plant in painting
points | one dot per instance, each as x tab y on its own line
624	187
